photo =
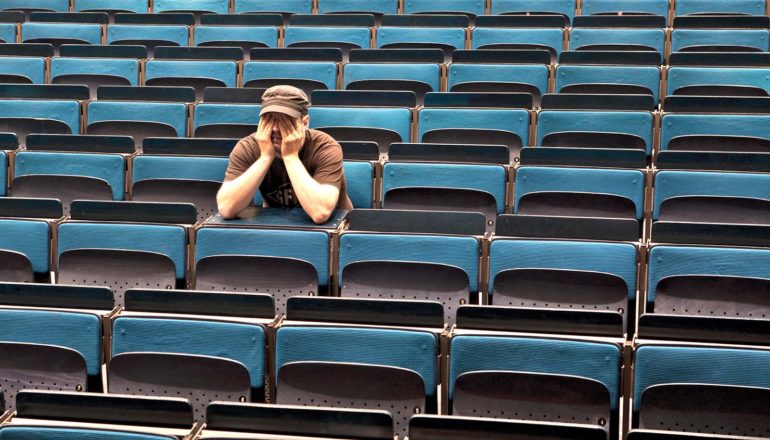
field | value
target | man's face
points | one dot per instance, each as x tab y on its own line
276	119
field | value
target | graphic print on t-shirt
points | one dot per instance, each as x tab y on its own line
283	196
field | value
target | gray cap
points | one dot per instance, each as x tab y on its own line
284	99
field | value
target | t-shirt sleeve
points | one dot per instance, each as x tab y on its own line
328	169
241	158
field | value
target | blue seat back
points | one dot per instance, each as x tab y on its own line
108	167
262	34
140	6
655	38
682	38
175	33
413	350
427	73
124	68
52	433
534	74
205	114
670	184
168	240
454	37
748	7
64	111
396	119
667	261
8	32
553	38
702	365
645	76
554	6
310	246
292	6
513	120
475	7
674	125
179	167
31	67
656	7
28	237
736	76
54	5
487	178
215	6
637	123
592	360
225	71
613	258
623	183
379	6
91	33
171	113
325	72
461	252
240	342
81	332
359	177
360	36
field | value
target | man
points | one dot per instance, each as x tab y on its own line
288	162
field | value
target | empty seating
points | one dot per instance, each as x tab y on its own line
61	33
737	7
95	72
209	356
519	32
670	380
180	179
500	71
579	192
647	7
38	5
378	7
588	77
331	364
626	32
471	7
730	81
30	70
25	244
517	376
247	31
22	117
565	8
327	36
711	197
198	74
219	120
359	176
306	68
148	35
282	263
405	265
283	6
7	30
415	71
720	40
425	427
399	31
199	6
138	6
567	275
120	254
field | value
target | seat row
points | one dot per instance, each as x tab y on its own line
369	354
568	8
641	33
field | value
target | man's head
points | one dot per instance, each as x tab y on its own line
284	103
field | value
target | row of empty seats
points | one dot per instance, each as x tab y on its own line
568	8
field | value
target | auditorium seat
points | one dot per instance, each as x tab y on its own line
281	262
61	33
18	69
48	415
245	31
541	378
8	22
469	7
252	420
625	32
630	79
703	7
378	7
672	380
25	116
426	427
730	81
27	228
515	71
112	6
95	72
282	6
519	32
566	275
231	120
341	37
389	363
512	7
705	40
447	33
130	245
647	7
148	35
215	351
375	69
168	70
711	197
359	176
37	5
179	179
197	6
305	68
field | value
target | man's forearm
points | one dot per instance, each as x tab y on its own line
236	194
317	200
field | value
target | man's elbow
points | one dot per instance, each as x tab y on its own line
321	216
226	211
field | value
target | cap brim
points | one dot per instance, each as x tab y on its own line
280	109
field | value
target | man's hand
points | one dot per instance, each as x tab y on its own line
293	136
263	137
